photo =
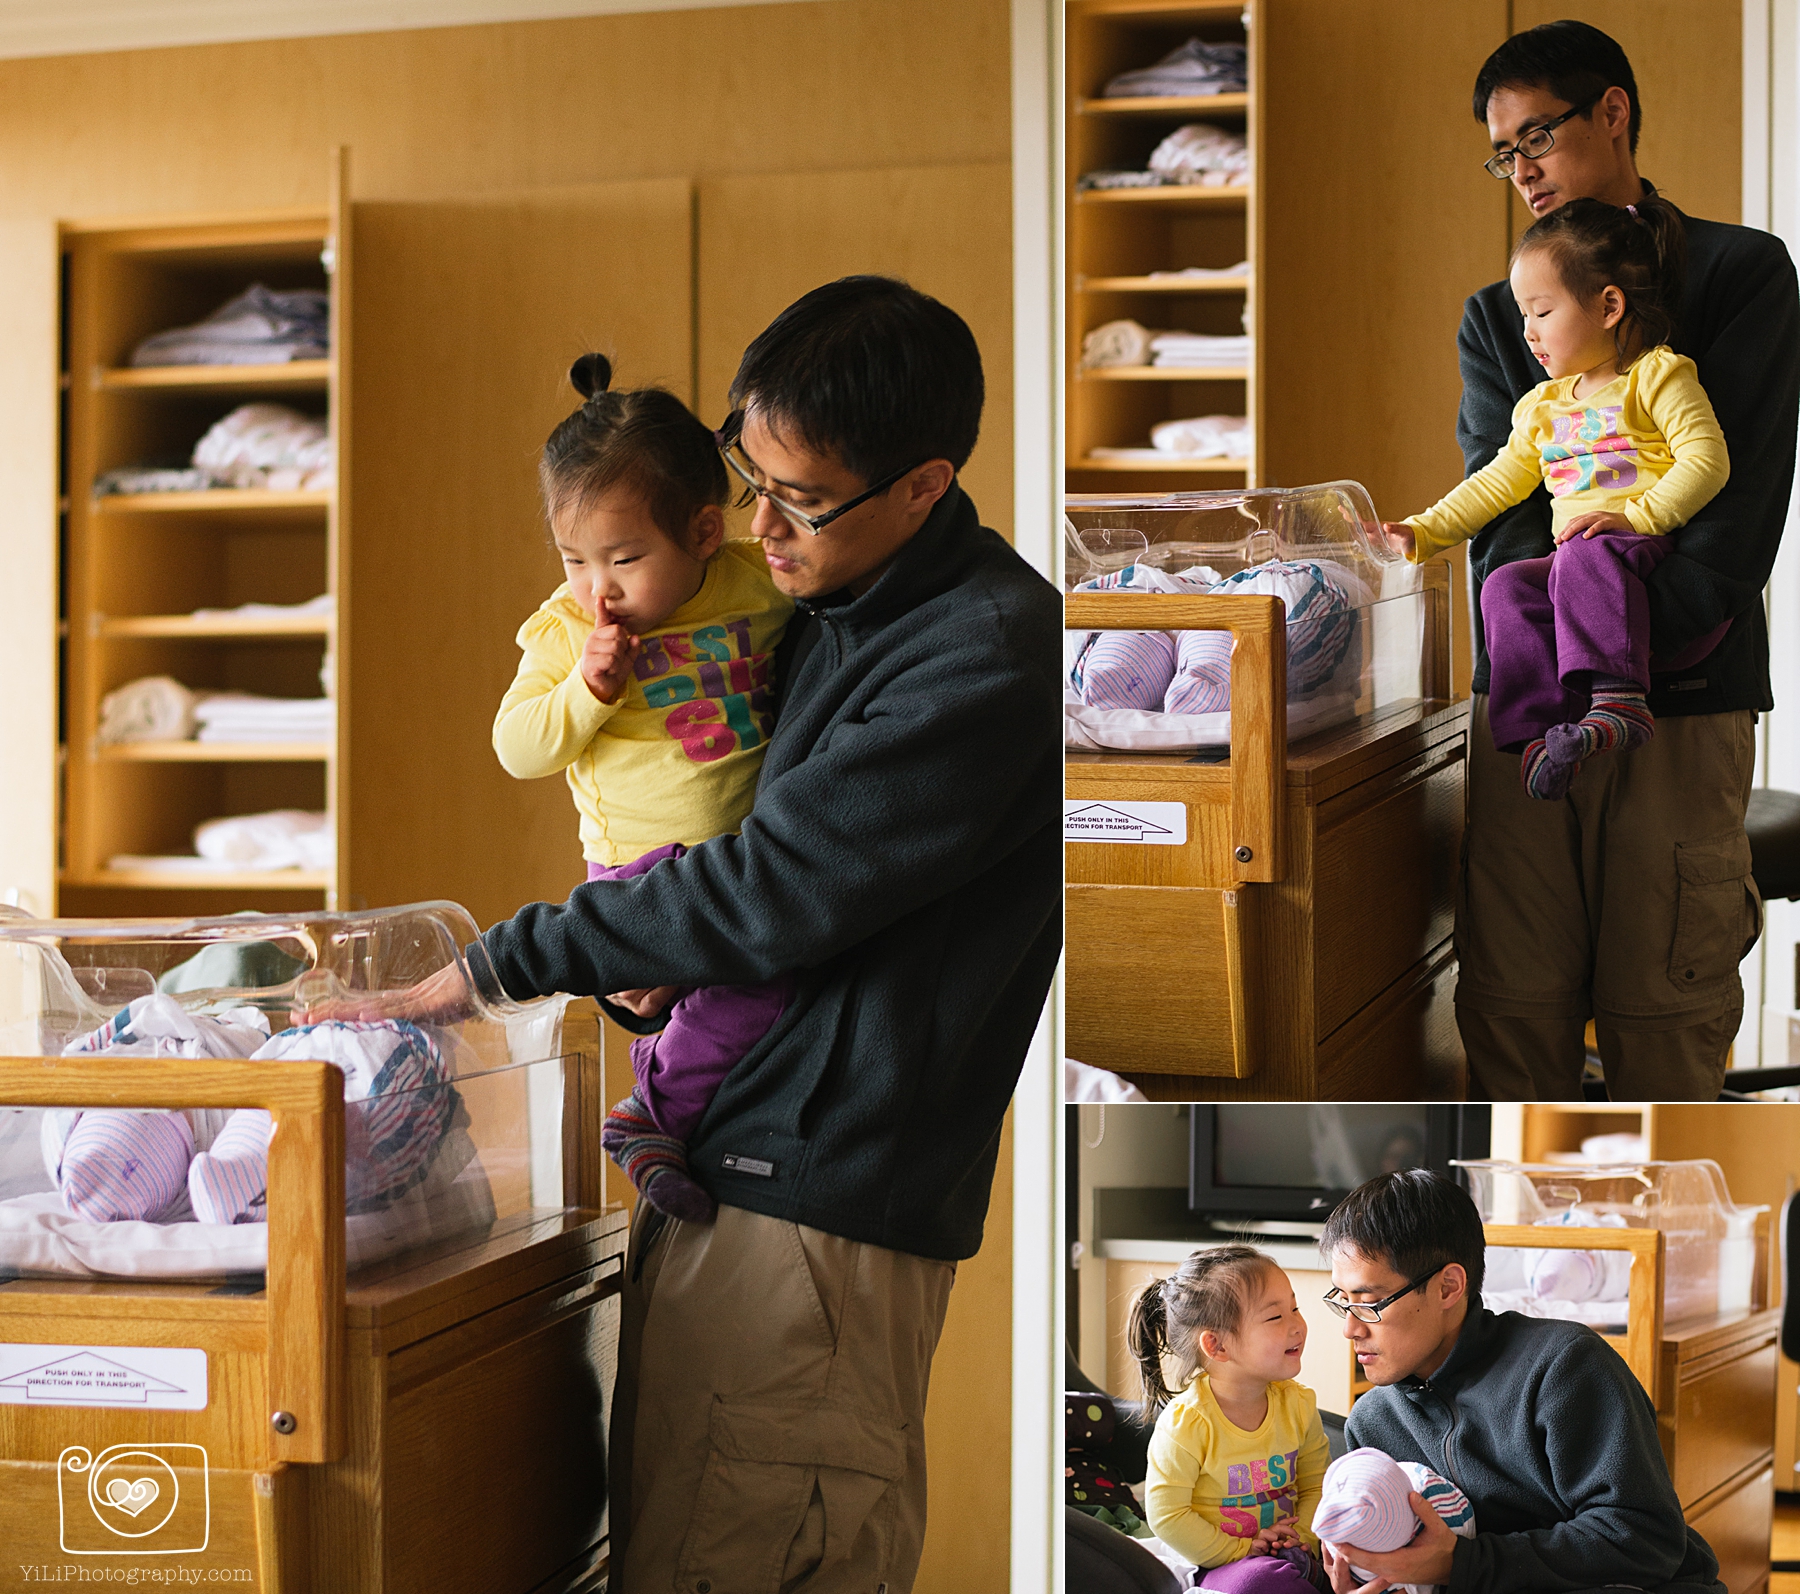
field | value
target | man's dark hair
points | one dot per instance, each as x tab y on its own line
871	370
1574	61
1414	1220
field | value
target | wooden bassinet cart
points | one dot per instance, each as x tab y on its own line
432	1421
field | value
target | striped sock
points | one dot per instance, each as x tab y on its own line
1618	719
1542	775
229	1181
656	1163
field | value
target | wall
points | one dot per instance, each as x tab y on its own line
827	132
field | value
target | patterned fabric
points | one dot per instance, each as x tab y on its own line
229	1182
394	1075
1128	669
1366	1506
1091	1483
119	1166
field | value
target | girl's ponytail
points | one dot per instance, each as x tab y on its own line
1147	1338
1668	236
591	375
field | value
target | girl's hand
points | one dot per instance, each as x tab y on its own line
1399	537
1278	1537
1594	521
607	657
646	1001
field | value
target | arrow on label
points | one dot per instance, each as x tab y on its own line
1134	824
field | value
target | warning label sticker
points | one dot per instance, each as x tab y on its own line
158	1377
1132	824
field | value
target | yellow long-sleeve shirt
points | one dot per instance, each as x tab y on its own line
1646	446
1211	1487
676	758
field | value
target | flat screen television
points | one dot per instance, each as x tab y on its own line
1293	1163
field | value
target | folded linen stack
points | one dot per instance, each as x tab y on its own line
1204	437
284	838
1202	154
267	446
319	608
1116	343
1195	68
1198	351
258	327
1202	273
243	717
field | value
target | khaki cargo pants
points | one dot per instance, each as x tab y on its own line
768	1425
1631	902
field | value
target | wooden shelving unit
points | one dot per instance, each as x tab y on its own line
1118	237
138	566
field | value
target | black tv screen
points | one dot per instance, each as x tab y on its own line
1280	1161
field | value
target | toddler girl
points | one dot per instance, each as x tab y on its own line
1623	436
1238	1456
646	677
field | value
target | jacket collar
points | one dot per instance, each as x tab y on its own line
931	561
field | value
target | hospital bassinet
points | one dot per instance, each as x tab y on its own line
1259	894
403	1391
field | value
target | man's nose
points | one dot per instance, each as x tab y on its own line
1525	172
769	523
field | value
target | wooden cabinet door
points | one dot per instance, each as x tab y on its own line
466	318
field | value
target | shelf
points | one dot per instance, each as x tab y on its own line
1174	195
1164	105
1163	285
207	879
220	500
314	374
1166	373
1161	10
213	752
188	626
1170	462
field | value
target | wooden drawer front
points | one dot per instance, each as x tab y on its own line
1724	1422
1403	1046
210	1537
1383	880
1737	1527
1148	984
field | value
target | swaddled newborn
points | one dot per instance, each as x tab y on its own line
1365	1505
116	1164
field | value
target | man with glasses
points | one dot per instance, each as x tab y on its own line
1630	900
904	862
1538	1421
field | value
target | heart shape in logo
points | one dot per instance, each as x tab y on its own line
132	1496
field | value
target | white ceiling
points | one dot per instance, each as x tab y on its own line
75	27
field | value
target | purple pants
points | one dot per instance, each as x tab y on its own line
710	1027
1553	624
1263	1574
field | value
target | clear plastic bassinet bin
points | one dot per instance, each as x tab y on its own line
451	1126
1358	616
1709	1244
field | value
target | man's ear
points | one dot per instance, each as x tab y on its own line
1453	1285
1613	113
928	483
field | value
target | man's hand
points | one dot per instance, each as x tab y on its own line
443	998
607	656
1427	1559
1592	523
1343	1579
647	1000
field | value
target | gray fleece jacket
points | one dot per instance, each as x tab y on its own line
1544	1428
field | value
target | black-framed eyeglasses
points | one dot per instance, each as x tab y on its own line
1370	1311
1535	142
730	441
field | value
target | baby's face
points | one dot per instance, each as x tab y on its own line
1269	1340
615	556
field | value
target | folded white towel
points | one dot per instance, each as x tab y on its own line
1204	437
321	607
1116	343
1203	153
286	838
240	717
153	709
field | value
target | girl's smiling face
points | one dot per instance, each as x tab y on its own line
614	555
1567	336
1271	1335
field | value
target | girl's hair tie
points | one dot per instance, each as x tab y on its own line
1631	211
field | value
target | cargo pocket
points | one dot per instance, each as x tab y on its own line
764	1466
1718	914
